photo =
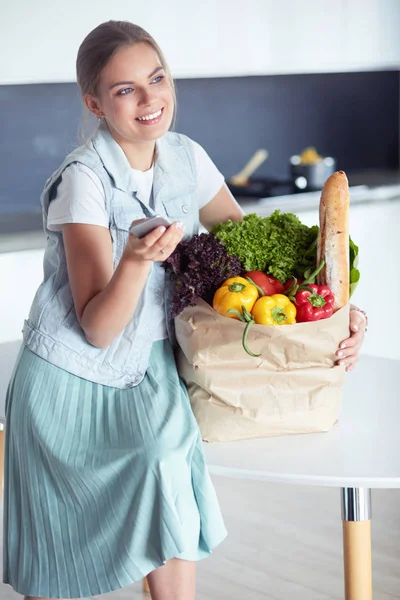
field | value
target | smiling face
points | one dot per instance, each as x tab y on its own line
134	96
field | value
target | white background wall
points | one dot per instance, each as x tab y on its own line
39	39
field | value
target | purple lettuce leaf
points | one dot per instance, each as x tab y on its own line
199	266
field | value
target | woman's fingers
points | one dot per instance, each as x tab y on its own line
166	243
350	362
355	341
153	237
348	351
159	243
357	331
345	352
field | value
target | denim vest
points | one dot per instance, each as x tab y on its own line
52	330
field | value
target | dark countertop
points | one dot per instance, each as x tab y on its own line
24	231
20	222
366	187
374	177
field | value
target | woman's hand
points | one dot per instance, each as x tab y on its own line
349	349
157	245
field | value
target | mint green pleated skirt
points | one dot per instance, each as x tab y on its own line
102	485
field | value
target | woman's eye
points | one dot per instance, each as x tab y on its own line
125	91
158	79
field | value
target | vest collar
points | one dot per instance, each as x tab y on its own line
117	164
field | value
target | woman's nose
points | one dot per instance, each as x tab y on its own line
145	97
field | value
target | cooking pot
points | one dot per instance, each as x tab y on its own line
311	176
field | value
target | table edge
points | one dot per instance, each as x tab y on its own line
315	480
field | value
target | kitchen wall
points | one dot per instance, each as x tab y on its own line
208	38
280	76
351	116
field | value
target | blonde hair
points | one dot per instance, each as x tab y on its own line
102	43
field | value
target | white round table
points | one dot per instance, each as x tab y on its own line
359	453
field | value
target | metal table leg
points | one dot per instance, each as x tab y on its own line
356	515
146	588
2	444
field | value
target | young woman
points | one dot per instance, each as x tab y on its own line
105	475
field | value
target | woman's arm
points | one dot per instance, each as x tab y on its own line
104	299
221	208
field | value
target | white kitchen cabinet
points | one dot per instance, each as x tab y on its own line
322	36
296	37
371	33
211	38
270	37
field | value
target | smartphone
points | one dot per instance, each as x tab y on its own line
141	229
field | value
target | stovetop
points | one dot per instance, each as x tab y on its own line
263	187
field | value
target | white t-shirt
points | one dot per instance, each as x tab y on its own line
80	199
80	195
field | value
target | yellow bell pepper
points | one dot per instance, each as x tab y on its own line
234	293
274	310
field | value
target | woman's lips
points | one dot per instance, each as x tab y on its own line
152	118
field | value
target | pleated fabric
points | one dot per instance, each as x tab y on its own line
102	485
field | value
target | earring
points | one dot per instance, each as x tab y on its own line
100	117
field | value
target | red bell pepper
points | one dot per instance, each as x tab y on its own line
314	303
290	283
268	284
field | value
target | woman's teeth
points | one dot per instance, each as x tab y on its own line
150	117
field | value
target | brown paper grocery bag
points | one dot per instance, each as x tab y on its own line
294	387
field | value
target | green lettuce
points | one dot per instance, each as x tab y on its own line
278	244
354	272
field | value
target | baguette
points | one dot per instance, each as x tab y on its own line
333	237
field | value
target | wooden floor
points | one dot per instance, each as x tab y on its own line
285	543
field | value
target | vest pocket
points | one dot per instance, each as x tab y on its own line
179	209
